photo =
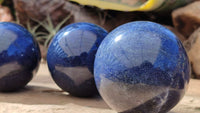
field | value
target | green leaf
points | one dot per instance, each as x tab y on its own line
47	24
58	27
41	33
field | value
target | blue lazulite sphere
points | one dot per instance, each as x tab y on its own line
71	56
19	56
141	67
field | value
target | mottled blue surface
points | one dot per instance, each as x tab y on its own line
141	67
71	56
19	56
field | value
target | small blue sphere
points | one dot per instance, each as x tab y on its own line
19	56
141	67
70	58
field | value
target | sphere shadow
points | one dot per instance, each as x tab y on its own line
40	95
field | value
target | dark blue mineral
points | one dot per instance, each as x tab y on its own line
71	56
19	56
141	67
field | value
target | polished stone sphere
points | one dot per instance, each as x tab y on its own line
141	67
19	56
70	58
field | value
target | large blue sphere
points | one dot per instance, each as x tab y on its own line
19	56
71	56
141	67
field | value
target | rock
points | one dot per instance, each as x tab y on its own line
187	19
60	9
43	51
192	46
39	9
5	14
179	35
42	95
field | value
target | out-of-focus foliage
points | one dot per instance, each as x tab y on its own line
45	37
1	1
